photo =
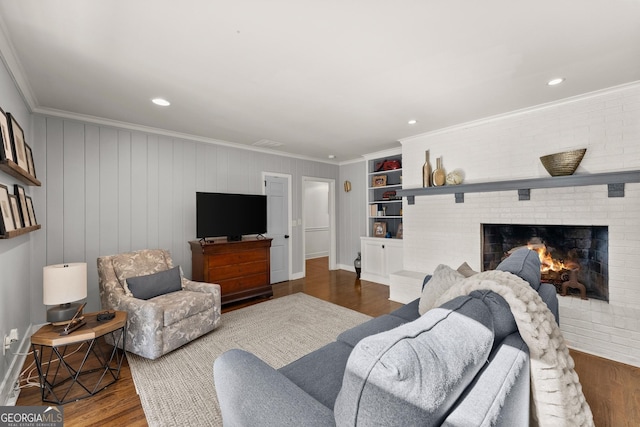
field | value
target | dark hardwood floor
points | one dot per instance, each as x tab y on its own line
612	389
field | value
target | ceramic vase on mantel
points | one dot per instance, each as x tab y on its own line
439	176
426	171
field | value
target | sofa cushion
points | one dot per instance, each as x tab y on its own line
499	394
320	372
443	278
370	327
408	312
152	285
504	324
181	305
400	376
525	264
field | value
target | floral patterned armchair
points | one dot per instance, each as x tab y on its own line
157	324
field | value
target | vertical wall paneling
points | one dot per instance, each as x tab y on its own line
222	170
39	239
55	192
153	187
189	183
124	191
92	208
176	229
200	162
111	190
210	168
165	193
139	191
108	189
73	175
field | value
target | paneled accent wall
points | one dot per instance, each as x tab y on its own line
439	231
110	190
352	216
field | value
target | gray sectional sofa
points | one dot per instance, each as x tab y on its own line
461	364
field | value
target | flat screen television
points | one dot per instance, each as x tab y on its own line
230	215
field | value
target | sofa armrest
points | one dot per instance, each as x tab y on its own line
191	285
252	393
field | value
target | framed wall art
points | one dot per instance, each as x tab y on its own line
17	137
31	211
30	164
379	229
15	209
6	219
22	202
7	151
379	180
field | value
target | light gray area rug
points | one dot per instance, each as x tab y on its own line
177	389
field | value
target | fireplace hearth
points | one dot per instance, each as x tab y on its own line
574	258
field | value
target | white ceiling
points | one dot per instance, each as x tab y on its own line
321	77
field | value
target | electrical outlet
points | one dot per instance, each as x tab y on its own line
9	339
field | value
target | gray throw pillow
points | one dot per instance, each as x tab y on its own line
153	285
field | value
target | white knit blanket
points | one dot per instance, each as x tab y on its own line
556	393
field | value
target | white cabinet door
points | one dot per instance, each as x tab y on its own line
372	258
380	257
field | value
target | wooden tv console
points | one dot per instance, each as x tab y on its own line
242	268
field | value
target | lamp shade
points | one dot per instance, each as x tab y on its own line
64	283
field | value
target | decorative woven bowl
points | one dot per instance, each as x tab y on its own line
565	163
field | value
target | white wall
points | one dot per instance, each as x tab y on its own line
352	217
17	261
438	230
316	219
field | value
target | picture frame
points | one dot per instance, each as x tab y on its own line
17	138
379	181
16	210
399	232
30	163
7	223
22	203
32	212
6	153
379	229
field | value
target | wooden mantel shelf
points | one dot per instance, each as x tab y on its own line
614	180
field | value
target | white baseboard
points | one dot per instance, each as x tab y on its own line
346	267
296	276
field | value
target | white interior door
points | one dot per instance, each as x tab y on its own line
277	191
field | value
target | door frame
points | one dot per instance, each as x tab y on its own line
332	220
289	212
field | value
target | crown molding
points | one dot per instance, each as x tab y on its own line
85	118
14	67
515	113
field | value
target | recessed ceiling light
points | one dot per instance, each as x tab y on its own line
555	81
161	102
332	156
412	121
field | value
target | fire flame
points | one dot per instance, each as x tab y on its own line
547	262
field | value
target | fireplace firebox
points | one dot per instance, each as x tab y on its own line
574	258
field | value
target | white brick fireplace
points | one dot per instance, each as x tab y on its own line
439	231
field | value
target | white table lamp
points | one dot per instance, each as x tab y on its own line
64	284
